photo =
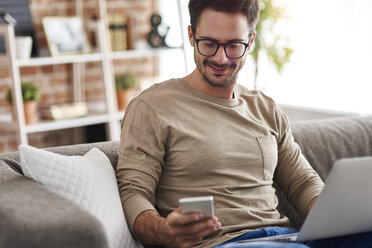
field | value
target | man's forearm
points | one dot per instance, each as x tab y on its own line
150	228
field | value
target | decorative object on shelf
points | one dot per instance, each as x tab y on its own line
66	35
30	97
64	111
17	12
7	18
154	38
125	88
24	47
118	32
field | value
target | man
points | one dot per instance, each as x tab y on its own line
205	134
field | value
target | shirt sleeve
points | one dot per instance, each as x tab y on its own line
140	159
294	175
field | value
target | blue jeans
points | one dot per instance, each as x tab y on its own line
363	240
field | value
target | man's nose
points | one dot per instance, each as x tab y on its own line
220	56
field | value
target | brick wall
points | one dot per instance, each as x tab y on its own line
54	81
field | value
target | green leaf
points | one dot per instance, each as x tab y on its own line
272	11
29	92
125	80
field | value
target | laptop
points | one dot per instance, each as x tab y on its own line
344	206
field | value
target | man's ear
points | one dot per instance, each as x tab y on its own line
191	36
253	37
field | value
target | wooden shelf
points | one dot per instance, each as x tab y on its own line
101	113
90	119
50	125
91	57
78	58
128	54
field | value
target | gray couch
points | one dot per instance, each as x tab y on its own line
32	216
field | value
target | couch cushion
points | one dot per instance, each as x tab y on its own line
325	141
87	180
33	216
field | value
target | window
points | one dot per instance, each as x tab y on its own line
331	66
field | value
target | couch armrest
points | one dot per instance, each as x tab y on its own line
33	216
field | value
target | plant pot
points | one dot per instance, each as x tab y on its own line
24	47
124	96
30	112
30	109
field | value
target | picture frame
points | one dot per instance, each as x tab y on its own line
66	35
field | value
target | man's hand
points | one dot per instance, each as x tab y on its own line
185	230
310	205
177	230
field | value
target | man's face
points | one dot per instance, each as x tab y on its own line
219	70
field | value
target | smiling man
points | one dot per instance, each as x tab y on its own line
205	134
219	67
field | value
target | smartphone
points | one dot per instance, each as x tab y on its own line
202	204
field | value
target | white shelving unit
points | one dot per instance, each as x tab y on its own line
110	115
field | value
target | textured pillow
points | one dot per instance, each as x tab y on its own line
87	180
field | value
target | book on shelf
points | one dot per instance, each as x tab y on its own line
131	31
118	31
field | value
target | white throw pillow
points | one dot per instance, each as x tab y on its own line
87	180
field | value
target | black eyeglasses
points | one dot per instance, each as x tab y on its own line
233	49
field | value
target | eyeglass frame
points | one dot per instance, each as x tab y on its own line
224	46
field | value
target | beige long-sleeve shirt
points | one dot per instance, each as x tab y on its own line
177	142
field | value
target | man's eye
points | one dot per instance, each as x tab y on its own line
234	45
210	44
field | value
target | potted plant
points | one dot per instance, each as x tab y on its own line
30	97
125	88
268	40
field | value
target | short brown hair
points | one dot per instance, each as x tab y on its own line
250	8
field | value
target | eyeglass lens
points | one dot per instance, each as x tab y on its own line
232	49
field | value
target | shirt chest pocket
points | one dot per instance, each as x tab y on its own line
269	150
